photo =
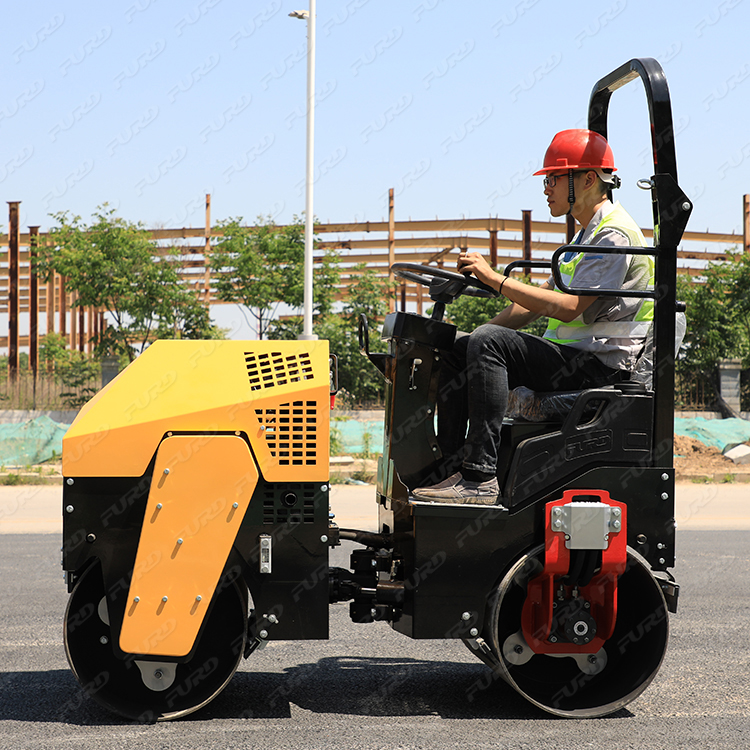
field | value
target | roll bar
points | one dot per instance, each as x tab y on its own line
671	211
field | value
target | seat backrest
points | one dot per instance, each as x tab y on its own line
643	371
618	433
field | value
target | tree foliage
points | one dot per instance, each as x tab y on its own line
469	312
111	264
718	317
466	313
367	294
260	267
79	375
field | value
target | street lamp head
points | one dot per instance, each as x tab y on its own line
299	14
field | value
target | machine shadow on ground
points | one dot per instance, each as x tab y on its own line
354	686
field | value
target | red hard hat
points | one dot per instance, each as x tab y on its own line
578	149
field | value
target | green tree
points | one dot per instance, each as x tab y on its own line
369	295
326	278
52	349
112	264
185	317
738	299
79	375
365	293
718	319
262	266
469	312
717	314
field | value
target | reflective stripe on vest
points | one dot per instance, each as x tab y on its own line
608	328
576	330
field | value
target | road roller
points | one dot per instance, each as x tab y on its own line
197	527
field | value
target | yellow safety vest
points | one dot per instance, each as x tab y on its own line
575	330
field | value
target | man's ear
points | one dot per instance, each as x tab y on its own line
592	180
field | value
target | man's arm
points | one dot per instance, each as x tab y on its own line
536	300
515	316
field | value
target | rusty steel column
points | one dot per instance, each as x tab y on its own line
81	329
570	229
95	326
493	248
73	323
49	303
13	307
391	247
526	236
62	309
746	223
90	324
33	301
206	254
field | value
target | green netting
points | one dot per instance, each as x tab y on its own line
720	433
40	439
357	436
31	442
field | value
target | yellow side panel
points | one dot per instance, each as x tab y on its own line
201	489
210	386
291	438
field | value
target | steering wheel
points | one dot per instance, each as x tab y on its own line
445	286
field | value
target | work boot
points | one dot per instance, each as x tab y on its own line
460	491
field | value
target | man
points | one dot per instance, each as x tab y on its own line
590	341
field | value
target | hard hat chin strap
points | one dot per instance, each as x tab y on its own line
571	192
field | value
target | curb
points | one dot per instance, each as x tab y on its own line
719	477
356	467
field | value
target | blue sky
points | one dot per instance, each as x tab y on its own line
149	105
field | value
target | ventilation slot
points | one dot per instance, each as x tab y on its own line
291	432
276	504
275	369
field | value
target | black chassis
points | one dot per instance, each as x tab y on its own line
434	568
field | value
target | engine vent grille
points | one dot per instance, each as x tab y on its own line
287	503
291	432
268	370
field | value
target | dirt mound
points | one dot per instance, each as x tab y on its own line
693	457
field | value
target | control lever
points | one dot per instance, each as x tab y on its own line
377	358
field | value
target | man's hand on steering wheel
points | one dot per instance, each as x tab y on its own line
445	286
476	264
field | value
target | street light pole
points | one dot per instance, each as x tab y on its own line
307	333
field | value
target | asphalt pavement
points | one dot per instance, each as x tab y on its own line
368	687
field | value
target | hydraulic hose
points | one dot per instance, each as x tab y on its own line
368	538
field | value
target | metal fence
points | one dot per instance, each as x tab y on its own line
694	392
45	392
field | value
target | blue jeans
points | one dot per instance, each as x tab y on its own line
477	374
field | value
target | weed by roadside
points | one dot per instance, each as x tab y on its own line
16	479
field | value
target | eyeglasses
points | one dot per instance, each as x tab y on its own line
551	180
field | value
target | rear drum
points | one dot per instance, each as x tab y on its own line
584	686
